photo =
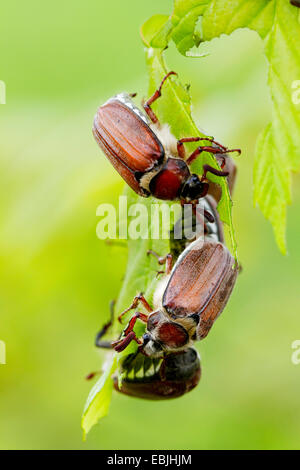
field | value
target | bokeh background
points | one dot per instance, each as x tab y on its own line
60	60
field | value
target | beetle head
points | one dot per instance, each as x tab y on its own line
194	188
151	347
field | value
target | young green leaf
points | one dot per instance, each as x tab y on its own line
277	154
270	166
277	23
98	401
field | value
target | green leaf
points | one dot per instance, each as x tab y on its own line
270	167
277	23
98	401
184	20
278	148
277	153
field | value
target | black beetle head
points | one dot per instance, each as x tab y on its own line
194	188
150	346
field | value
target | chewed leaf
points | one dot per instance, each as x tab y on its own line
184	20
98	401
225	17
155	31
277	23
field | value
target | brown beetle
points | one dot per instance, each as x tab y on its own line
159	378
145	153
187	301
153	378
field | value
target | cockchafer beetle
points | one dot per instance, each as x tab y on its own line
186	302
153	378
145	153
159	378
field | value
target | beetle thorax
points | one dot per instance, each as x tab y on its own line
169	143
166	137
159	292
146	178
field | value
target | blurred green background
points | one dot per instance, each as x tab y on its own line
60	60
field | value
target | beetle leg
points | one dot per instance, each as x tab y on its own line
167	260
136	300
121	344
181	149
152	252
98	342
153	98
213	150
130	335
142	316
203	213
221	161
169	263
